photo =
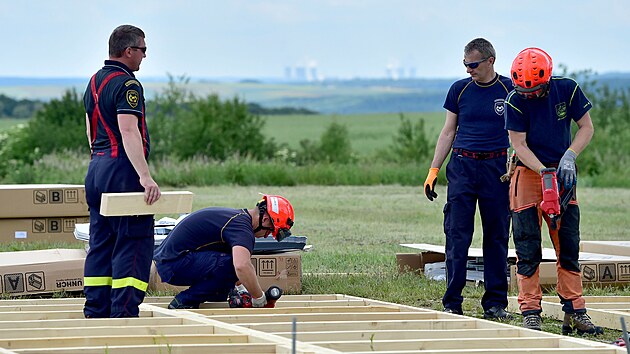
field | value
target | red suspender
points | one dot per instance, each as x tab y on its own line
144	133
96	114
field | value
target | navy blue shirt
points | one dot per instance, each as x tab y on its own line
547	121
479	108
123	94
209	229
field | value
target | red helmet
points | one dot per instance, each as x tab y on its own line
281	213
531	72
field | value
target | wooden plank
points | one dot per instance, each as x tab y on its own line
504	351
41	308
432	324
92	322
619	248
10	333
295	310
330	317
443	344
324	336
121	340
162	348
118	204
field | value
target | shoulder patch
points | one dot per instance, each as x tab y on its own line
132	98
132	82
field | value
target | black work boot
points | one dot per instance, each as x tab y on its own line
453	311
580	322
532	321
497	313
176	304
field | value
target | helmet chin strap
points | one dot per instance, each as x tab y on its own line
262	208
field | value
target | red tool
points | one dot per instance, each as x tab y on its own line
239	298
550	204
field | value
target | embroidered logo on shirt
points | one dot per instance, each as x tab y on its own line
499	106
132	82
133	98
561	110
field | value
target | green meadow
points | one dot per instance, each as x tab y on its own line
367	132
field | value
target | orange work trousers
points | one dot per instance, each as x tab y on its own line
525	198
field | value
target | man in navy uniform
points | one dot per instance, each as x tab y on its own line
474	131
118	263
210	250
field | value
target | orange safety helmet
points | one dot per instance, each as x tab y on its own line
281	213
531	73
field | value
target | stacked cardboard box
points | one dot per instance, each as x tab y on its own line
41	212
42	271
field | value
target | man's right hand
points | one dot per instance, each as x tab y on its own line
260	302
429	183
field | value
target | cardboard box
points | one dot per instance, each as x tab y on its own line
42	200
283	270
594	273
414	262
40	229
43	271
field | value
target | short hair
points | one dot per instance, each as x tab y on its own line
123	37
483	46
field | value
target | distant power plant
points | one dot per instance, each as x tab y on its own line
307	71
302	72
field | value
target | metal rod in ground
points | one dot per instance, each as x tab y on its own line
294	335
625	334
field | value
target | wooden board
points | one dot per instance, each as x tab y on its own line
326	324
548	254
172	202
605	311
620	248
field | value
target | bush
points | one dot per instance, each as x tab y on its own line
334	147
186	126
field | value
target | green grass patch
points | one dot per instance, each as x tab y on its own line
367	132
8	123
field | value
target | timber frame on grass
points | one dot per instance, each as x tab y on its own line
325	324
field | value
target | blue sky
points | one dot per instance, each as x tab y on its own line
342	38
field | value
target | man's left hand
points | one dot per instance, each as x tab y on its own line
566	169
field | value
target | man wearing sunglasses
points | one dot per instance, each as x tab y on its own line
210	250
474	136
118	263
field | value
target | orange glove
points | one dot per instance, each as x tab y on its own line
429	183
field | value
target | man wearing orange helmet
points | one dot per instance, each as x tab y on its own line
474	131
538	118
210	250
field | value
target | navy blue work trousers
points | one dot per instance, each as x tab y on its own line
210	275
118	263
472	182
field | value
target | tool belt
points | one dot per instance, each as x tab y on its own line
546	164
486	155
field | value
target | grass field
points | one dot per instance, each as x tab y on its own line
6	123
368	132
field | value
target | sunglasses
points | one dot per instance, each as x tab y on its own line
143	49
474	64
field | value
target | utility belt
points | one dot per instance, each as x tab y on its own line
486	155
546	164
